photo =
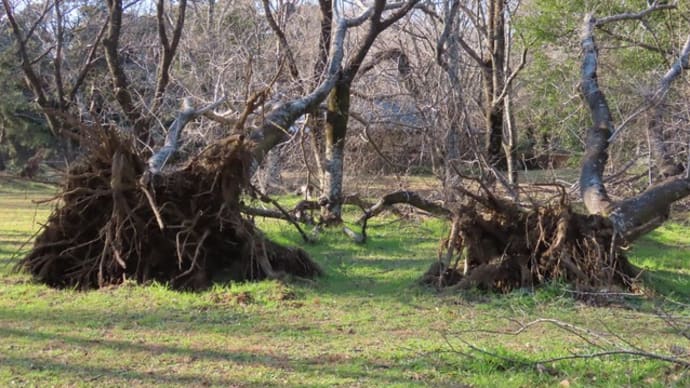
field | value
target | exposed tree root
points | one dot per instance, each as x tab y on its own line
504	247
183	228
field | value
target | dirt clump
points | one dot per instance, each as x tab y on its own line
496	245
116	221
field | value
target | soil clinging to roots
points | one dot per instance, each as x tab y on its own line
183	228
501	247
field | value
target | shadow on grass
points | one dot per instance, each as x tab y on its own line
666	266
90	373
332	364
669	284
9	259
13	241
387	265
10	184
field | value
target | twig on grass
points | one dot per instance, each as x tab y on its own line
606	347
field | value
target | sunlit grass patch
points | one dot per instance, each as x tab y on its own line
366	322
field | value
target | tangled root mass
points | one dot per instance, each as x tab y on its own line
502	247
183	228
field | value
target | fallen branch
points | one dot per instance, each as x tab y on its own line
407	197
601	341
265	198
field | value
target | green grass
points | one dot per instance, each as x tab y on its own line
365	323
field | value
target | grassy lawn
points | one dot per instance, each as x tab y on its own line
366	323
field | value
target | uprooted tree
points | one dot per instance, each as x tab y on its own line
503	246
121	215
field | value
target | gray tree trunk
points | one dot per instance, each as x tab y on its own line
633	217
338	105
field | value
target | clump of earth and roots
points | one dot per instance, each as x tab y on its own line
115	221
497	245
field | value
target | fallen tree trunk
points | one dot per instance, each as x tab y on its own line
406	197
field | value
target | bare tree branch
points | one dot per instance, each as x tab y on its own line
32	79
664	162
57	60
511	78
119	78
635	42
278	121
282	40
172	140
596	340
88	63
407	197
168	48
655	6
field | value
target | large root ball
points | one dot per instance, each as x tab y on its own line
183	228
505	247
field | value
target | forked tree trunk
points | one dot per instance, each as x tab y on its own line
637	215
338	106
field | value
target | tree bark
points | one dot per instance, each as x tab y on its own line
168	48
657	141
494	133
596	156
111	44
274	129
635	216
338	107
186	114
447	57
510	142
494	84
